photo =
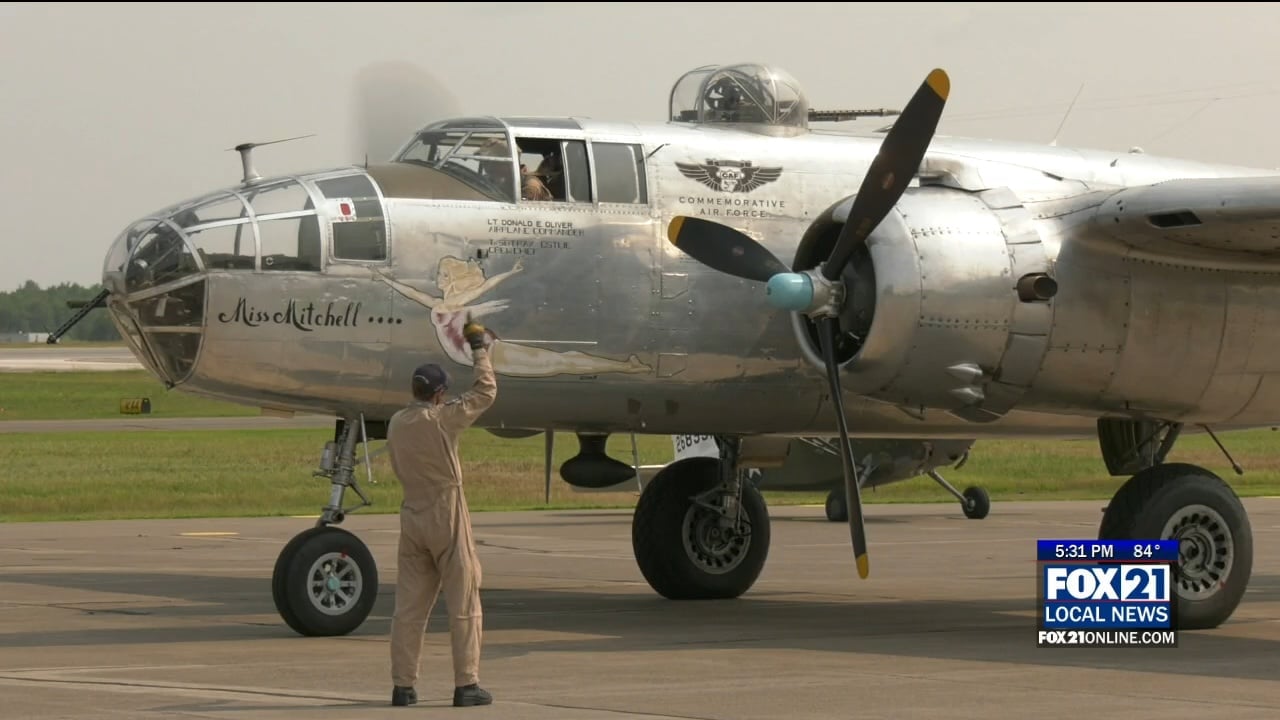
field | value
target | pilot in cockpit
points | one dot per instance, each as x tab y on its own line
532	186
551	171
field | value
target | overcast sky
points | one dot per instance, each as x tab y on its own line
110	111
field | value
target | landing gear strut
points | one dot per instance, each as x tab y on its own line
975	502
1197	508
700	530
325	580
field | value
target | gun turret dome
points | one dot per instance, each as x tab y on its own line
746	94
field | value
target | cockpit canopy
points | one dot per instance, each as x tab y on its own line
516	160
473	150
742	94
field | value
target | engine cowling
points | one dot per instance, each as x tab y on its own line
948	304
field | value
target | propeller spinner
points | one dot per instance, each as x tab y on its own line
819	292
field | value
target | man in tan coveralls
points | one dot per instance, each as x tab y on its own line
436	548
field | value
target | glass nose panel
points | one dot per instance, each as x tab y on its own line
133	336
177	353
161	257
113	268
171	324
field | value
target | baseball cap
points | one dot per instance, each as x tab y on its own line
433	376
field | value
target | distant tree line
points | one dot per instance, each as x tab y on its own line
33	309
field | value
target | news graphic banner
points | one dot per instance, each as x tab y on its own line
1106	593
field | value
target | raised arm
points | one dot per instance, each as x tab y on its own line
460	413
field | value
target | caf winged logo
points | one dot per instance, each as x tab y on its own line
729	176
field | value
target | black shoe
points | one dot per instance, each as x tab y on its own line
469	695
402	696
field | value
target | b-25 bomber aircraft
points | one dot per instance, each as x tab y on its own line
736	272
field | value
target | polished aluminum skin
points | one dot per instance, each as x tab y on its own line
320	292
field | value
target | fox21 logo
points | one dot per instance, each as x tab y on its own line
1122	583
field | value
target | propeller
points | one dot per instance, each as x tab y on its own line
724	249
819	293
394	99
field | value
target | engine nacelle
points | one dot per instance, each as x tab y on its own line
947	307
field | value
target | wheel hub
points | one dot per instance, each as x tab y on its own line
1205	550
711	545
334	583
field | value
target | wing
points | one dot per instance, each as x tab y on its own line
1200	219
757	176
701	173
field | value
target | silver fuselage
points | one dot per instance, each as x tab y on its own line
606	326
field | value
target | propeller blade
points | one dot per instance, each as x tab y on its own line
393	100
723	248
899	158
827	330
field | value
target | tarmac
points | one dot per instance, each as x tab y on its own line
174	619
56	358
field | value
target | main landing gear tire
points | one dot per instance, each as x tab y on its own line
325	582
683	549
837	508
1197	508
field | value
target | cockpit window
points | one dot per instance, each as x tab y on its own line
354	211
288	231
290	243
278	197
225	247
221	233
480	158
620	173
554	170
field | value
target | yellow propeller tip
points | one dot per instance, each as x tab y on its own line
863	566
673	230
939	82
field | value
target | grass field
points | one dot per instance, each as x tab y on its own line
61	395
112	475
257	473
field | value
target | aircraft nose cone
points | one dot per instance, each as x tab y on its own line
790	291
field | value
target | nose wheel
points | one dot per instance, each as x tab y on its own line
325	580
974	501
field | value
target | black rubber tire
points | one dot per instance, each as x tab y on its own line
978	503
281	571
1142	506
289	582
657	534
837	508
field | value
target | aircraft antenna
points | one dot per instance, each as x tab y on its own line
1067	114
246	160
845	115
